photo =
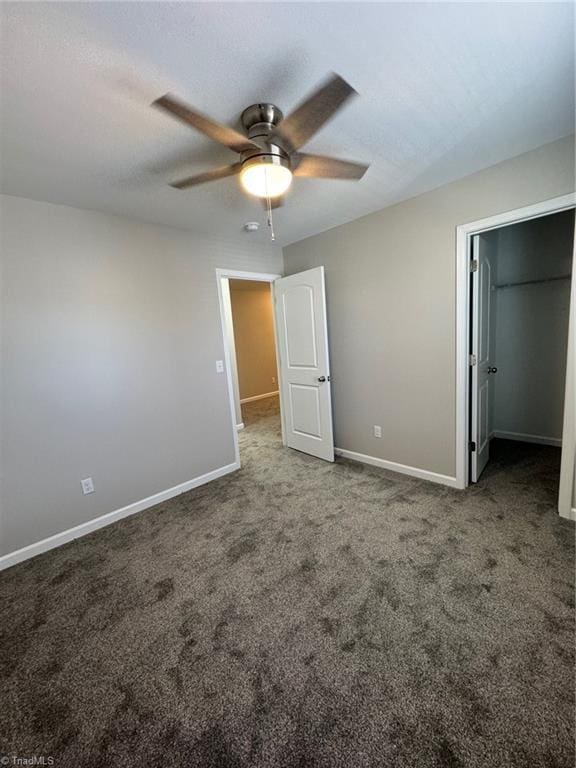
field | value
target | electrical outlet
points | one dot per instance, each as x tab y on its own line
87	485
219	366
273	379
377	431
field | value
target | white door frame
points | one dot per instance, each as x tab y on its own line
229	354
464	234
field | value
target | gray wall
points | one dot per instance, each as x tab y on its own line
530	325
110	333
390	280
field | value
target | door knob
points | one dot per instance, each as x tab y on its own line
321	379
492	369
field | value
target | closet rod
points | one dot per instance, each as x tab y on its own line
533	282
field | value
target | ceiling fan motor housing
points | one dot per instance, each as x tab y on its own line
259	121
261	115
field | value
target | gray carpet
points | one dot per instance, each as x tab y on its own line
299	613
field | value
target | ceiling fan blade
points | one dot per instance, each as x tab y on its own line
321	167
301	124
216	131
201	178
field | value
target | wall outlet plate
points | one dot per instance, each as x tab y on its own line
377	431
87	485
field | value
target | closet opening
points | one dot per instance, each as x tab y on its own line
519	310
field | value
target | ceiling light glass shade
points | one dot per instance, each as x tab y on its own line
265	176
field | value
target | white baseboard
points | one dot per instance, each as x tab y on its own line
522	438
258	397
111	517
240	426
570	515
403	469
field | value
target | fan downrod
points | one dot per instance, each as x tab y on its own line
259	119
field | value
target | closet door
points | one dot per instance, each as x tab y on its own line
481	392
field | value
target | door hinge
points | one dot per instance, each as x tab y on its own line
472	360
472	446
474	265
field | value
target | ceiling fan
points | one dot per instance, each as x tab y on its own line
269	152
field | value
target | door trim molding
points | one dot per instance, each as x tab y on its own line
464	233
58	539
235	274
403	469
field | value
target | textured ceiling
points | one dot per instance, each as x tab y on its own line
445	90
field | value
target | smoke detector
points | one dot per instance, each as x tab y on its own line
251	226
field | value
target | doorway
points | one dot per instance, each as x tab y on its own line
246	306
301	355
255	374
518	291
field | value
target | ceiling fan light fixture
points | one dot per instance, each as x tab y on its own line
266	176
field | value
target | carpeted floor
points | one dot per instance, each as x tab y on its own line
298	613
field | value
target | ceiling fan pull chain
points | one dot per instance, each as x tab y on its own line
270	222
269	208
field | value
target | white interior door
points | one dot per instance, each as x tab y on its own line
481	393
303	364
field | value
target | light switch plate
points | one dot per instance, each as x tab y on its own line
377	431
219	366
